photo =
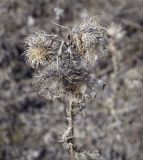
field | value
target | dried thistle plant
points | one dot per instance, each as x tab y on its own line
64	69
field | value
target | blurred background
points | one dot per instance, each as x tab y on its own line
31	126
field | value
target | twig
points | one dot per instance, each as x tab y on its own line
132	24
61	26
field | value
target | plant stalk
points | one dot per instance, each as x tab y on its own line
70	141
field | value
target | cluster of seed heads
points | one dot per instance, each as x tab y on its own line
65	68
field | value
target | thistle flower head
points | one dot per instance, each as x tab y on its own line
89	39
41	48
48	83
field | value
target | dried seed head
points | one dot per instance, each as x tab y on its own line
41	48
37	56
48	83
89	38
59	82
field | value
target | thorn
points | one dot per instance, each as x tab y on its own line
59	53
83	112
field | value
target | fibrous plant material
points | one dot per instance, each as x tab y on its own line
64	68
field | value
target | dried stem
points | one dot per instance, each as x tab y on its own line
70	140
